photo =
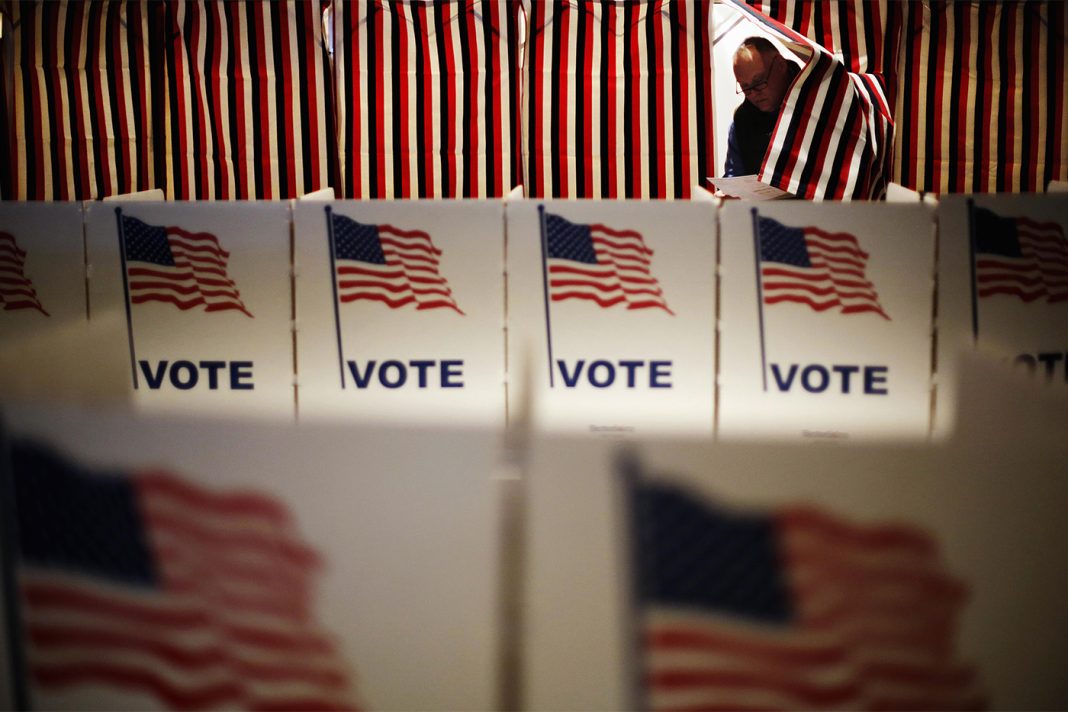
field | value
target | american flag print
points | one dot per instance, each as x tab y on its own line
16	289
143	583
1019	257
792	608
186	269
808	265
601	264
386	264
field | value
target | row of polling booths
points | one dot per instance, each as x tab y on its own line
779	318
530	454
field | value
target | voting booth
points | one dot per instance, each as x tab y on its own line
1003	288
206	293
690	393
611	307
400	311
826	323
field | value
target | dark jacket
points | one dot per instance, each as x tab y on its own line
750	134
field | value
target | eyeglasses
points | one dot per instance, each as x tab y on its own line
760	84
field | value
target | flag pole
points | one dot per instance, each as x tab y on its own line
16	654
760	298
971	262
628	476
126	293
545	288
333	282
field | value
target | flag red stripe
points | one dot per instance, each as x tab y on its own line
186	658
392	303
559	296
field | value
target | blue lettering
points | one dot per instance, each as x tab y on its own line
362	379
184	384
154	380
212	368
806	381
608	380
783	385
185	375
1028	361
241	376
572	380
816	378
421	367
659	370
631	367
402	374
394	374
874	377
602	372
1050	359
449	370
846	372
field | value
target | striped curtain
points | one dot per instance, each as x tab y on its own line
833	140
428	98
982	103
617	99
249	110
80	84
862	34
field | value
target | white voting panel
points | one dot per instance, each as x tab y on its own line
1003	288
42	267
398	526
829	336
400	311
206	292
1000	639
613	314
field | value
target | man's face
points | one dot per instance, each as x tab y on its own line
764	82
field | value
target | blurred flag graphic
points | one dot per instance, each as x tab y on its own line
147	584
16	289
794	608
1020	257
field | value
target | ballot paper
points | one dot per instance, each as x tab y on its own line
747	187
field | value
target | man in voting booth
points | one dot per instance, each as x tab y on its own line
764	77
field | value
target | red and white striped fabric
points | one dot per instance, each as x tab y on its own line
834	135
982	106
80	111
227	621
428	98
617	99
249	106
862	34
